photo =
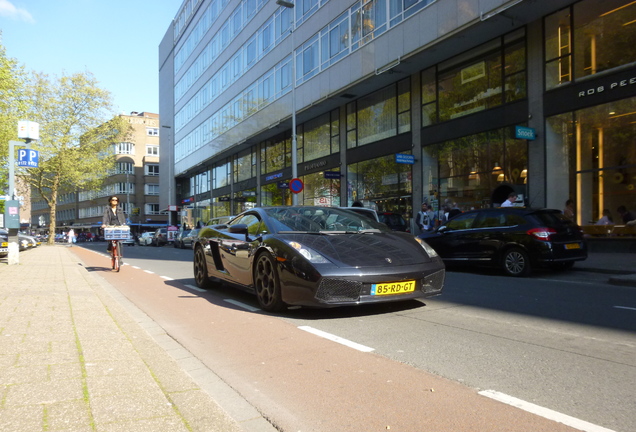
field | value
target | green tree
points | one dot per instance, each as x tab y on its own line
77	132
12	107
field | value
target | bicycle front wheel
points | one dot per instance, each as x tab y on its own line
116	257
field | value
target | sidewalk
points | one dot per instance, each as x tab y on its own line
620	267
75	355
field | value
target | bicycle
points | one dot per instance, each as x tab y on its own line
114	235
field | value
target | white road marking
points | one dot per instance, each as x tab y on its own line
242	305
192	287
544	412
337	339
148	271
166	277
625	307
135	267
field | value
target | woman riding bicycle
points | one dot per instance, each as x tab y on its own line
113	215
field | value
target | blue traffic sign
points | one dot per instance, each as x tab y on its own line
296	185
28	158
404	158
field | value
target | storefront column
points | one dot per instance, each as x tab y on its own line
344	172
416	145
536	185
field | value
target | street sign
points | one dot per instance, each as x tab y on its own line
526	133
404	158
296	185
332	174
28	158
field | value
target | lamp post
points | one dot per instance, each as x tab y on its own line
170	166
294	148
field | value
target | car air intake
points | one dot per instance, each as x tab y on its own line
337	290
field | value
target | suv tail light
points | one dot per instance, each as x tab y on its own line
541	233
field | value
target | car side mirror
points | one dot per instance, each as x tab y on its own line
442	229
239	229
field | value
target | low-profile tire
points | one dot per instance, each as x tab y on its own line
516	262
267	284
201	277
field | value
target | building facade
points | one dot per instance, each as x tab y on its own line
134	179
399	102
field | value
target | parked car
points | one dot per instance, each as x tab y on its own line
4	244
220	220
188	240
395	221
146	238
178	243
160	237
316	256
364	211
514	239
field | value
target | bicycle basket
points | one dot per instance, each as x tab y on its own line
117	233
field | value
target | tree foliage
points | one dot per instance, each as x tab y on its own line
77	131
12	107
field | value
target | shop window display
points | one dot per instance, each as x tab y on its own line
594	159
383	182
467	170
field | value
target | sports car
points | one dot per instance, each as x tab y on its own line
315	257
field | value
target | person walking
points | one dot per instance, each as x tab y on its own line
425	218
71	237
113	215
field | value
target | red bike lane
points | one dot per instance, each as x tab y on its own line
302	382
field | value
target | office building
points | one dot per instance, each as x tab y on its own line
398	102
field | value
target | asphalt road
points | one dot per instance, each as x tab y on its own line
563	341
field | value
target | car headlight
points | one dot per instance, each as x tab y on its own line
311	255
429	250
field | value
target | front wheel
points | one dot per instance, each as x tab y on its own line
201	277
116	260
267	284
516	262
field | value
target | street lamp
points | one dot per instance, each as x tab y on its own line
294	149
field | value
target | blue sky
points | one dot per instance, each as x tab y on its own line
116	40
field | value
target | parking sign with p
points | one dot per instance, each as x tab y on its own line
28	158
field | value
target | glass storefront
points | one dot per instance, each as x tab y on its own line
485	77
602	32
319	190
469	169
593	159
382	183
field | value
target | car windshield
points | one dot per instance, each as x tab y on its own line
323	220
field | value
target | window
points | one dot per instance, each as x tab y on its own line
152	170
152	131
151	189
153	209
125	148
152	150
587	38
124	168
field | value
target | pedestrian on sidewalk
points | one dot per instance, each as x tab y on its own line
71	237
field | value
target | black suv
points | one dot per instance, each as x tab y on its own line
515	239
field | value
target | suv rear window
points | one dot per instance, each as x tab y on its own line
553	218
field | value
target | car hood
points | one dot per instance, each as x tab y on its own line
364	250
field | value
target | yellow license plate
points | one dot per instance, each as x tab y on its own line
5	244
393	288
573	246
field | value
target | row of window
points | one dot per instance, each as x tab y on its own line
129	149
129	168
98	211
268	36
275	83
241	16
